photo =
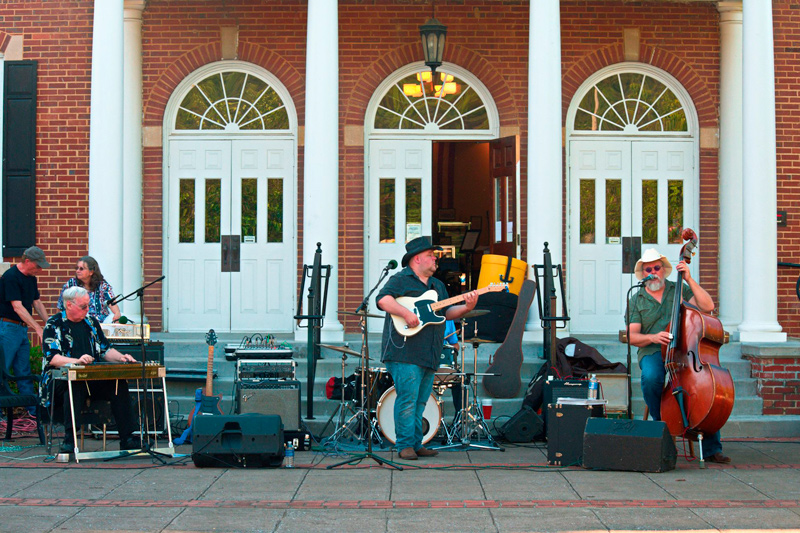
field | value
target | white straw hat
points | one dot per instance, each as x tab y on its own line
649	256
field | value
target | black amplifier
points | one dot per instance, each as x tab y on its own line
263	369
234	352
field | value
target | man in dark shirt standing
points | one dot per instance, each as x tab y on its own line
413	361
19	296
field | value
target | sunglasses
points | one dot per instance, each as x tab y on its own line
81	307
652	269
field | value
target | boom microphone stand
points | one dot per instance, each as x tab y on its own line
143	422
366	396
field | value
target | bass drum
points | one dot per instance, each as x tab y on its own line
431	417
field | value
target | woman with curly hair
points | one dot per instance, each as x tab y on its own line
88	276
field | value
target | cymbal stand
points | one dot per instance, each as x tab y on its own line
469	420
362	417
345	406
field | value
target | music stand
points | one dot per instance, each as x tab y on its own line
144	439
469	245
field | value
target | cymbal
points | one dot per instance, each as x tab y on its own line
476	340
341	349
476	312
352	313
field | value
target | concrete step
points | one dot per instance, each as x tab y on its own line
191	351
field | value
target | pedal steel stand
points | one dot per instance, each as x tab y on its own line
469	420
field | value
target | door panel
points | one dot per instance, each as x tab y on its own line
622	188
241	188
503	173
399	203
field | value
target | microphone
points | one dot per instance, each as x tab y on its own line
648	278
392	265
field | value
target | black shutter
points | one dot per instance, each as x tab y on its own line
19	157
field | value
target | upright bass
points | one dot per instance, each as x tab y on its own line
699	394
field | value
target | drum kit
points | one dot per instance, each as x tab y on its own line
369	416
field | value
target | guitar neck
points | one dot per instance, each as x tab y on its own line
456	299
209	389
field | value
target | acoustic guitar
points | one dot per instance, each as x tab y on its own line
206	402
507	360
425	307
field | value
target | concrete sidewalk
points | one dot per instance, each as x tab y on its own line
471	490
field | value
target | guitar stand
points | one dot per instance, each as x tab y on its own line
362	417
469	420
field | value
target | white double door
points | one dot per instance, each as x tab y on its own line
231	235
618	189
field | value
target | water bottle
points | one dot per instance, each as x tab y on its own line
288	460
593	387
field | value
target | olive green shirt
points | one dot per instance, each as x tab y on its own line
654	316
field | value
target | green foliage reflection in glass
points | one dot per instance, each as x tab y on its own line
650	211
613	209
232	101
213	209
186	214
386	231
630	102
675	211
413	202
461	110
250	209
587	211
275	210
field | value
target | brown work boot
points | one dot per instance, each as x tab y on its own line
408	454
425	452
718	457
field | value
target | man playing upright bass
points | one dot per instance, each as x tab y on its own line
413	360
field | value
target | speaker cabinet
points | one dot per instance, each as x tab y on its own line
271	397
565	425
524	426
250	440
630	445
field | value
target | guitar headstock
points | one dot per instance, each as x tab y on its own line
497	287
211	337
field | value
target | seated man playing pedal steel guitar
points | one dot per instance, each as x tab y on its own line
72	337
413	360
650	311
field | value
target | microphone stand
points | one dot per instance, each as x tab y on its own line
144	439
628	341
366	399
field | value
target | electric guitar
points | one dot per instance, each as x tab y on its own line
425	307
206	402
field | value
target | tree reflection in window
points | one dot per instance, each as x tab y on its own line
232	101
419	102
630	102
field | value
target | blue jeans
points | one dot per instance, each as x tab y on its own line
653	375
413	385
17	350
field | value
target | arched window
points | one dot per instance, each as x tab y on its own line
444	102
232	101
630	102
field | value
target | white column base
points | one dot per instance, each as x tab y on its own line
332	333
765	333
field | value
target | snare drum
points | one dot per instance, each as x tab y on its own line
431	417
381	381
448	356
445	376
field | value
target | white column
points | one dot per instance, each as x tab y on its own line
321	162
105	140
731	279
545	175
760	258
132	159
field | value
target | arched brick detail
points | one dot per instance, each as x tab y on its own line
5	38
381	68
666	61
156	102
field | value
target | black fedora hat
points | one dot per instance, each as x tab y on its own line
417	246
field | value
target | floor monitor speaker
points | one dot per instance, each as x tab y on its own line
525	426
249	440
630	445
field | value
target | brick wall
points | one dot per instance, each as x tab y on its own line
778	381
786	21
58	35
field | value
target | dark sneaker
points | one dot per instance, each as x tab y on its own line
130	444
66	447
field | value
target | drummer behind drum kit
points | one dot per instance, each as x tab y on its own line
370	413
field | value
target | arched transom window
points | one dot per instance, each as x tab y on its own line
630	102
422	102
232	101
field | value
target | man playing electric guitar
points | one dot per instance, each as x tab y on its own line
413	360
